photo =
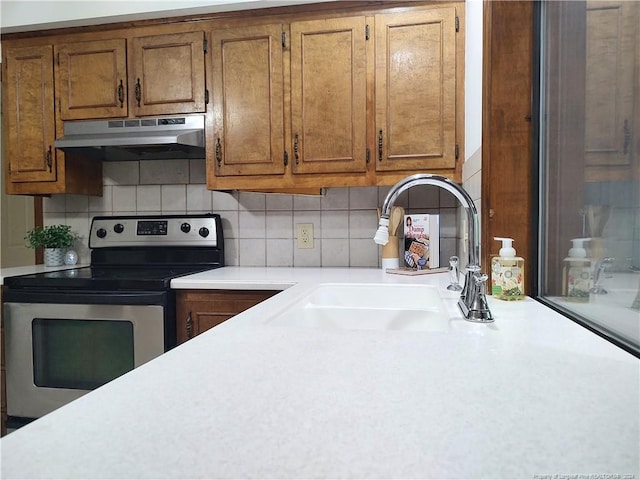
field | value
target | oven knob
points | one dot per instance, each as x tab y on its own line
204	232
185	227
118	228
101	233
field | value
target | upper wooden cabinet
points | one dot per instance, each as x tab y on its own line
166	76
248	101
328	95
415	94
91	79
32	164
29	121
368	99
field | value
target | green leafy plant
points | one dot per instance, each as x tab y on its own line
52	236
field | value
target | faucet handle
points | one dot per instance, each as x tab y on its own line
454	279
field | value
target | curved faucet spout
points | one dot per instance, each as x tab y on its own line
472	299
453	188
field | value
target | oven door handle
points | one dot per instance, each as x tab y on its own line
85	297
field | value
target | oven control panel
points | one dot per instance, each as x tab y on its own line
156	230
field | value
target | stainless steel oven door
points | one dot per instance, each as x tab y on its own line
55	353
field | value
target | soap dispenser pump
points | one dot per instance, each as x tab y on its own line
576	272
507	272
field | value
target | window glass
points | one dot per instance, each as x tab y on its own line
590	165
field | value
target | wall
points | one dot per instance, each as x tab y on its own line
259	229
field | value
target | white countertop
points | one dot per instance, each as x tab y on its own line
532	395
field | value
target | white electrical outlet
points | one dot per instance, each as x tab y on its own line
305	235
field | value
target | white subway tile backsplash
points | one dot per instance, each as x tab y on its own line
363	224
335	224
102	204
229	224
279	224
279	202
251	201
259	229
307	217
121	173
335	199
223	201
362	198
197	171
198	199
335	252
174	198
124	199
148	198
252	225
308	257
164	172
363	253
306	202
279	252
252	252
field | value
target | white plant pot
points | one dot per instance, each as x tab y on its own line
54	257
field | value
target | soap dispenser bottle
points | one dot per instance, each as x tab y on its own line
576	272
507	272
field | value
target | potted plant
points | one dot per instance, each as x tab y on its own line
55	239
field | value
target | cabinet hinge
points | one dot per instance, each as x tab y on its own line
366	32
286	158
457	151
58	58
368	155
206	96
205	45
284	40
457	23
59	106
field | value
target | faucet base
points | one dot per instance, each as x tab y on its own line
482	315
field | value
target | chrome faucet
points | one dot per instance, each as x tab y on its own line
472	302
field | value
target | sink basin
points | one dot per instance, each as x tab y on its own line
379	307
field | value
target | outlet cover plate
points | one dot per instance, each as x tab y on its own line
304	235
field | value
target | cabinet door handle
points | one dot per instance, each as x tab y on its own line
49	160
218	152
138	92
189	324
121	94
296	152
380	146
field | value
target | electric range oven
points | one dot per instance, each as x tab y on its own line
70	331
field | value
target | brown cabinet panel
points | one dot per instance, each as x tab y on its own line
200	310
415	94
167	74
91	79
29	119
248	100
328	95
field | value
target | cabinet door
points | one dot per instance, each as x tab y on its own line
612	29
29	122
328	95
415	94
91	79
200	310
167	74
248	100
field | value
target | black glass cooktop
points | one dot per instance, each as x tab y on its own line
104	278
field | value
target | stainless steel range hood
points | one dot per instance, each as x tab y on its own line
136	139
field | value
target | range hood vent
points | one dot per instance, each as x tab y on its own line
136	139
